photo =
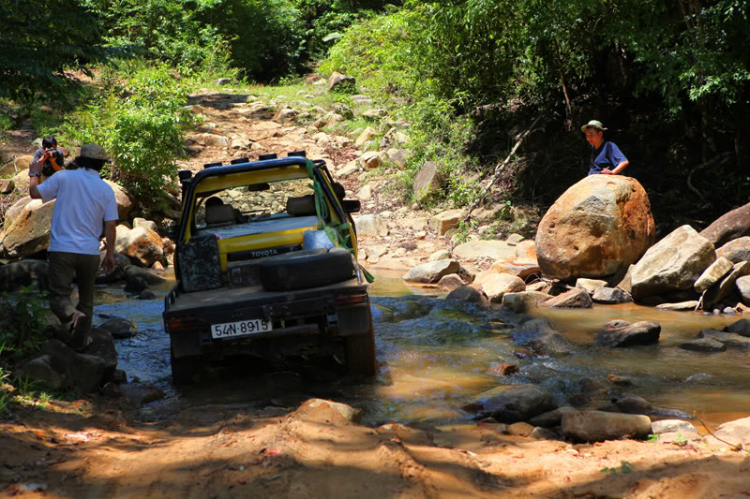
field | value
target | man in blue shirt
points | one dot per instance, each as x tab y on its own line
606	157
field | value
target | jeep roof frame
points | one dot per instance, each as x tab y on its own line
189	184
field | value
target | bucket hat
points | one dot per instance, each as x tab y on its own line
593	124
93	151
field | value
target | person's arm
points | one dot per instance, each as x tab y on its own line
615	157
110	231
620	167
35	172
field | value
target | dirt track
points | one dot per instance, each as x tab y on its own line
316	451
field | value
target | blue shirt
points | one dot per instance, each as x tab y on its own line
607	156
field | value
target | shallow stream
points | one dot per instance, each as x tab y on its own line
435	355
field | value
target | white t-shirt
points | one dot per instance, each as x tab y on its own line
84	202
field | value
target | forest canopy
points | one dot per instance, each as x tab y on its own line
676	69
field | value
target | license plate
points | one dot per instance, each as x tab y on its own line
241	328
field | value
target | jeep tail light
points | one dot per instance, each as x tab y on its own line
351	299
181	323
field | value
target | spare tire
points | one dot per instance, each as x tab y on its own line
306	269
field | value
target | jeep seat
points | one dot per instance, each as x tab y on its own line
218	215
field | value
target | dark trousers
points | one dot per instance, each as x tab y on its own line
63	268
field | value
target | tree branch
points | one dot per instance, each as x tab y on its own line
500	168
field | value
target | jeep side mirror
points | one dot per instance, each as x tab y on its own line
351	205
338	190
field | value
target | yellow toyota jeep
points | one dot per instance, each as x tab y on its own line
266	265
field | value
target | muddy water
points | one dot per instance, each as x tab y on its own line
434	356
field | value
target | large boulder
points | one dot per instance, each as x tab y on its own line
124	202
672	264
432	272
598	226
30	231
729	226
511	404
16	209
737	250
143	246
17	275
597	426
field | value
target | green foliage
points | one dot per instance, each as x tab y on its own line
463	231
265	35
653	438
5	397
40	40
170	31
378	50
22	331
6	123
692	57
141	121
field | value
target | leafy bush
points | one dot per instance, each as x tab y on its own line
21	333
141	121
379	51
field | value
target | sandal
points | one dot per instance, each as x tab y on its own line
80	338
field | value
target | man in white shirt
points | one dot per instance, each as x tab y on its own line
84	202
